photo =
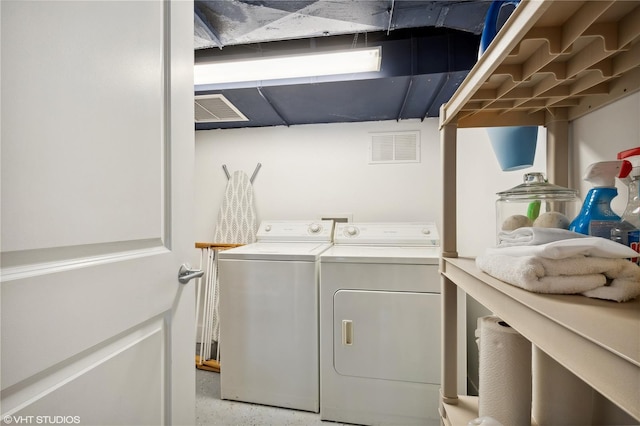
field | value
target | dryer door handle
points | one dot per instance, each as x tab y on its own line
347	332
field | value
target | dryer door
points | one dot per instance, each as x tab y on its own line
387	335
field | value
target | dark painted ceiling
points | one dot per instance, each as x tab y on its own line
428	47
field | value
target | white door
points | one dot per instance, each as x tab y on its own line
97	154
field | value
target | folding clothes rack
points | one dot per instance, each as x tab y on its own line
208	256
237	217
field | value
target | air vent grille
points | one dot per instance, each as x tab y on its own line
216	109
390	148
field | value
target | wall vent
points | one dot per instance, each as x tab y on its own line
393	148
216	109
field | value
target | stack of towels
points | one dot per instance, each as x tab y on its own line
549	260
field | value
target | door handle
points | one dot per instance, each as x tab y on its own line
186	274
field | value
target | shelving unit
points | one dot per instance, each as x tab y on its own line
552	62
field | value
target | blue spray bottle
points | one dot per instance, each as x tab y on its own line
596	217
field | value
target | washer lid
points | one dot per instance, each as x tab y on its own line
387	234
292	251
295	230
381	255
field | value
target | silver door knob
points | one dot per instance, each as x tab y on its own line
186	274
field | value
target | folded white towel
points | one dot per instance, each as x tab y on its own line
561	249
572	275
619	290
533	236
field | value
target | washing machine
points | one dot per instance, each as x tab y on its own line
269	342
380	324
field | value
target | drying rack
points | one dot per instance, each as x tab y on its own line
209	261
209	256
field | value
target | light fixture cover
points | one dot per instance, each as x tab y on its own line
290	66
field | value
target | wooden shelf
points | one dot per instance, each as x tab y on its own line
219	246
552	62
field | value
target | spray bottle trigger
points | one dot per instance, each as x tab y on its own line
625	169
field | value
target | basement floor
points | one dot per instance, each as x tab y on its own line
213	411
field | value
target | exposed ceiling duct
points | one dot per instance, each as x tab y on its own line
428	47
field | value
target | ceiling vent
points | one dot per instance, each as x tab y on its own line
216	109
390	148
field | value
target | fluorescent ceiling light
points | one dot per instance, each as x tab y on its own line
291	66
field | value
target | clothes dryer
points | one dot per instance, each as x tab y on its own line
269	350
380	324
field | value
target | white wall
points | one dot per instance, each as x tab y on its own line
600	136
313	170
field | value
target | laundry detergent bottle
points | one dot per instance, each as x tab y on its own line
596	217
628	231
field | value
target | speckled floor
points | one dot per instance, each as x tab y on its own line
211	410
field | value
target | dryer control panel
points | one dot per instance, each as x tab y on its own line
387	234
295	230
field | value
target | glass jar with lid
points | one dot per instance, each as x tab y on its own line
537	203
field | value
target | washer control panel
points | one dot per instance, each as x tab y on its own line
387	234
295	230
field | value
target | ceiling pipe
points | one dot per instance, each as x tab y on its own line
442	16
273	107
406	97
204	24
414	52
393	3
441	85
